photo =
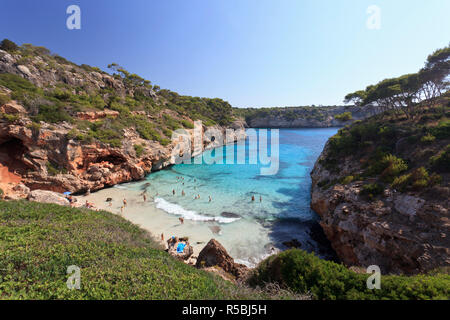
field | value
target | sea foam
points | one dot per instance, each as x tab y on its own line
178	210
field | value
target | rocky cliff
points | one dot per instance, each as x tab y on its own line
306	117
383	196
65	127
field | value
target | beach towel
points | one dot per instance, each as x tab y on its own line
180	247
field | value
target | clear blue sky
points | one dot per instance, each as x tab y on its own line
250	52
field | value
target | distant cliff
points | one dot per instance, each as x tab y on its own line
305	117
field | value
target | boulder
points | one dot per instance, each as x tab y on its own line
214	254
12	107
46	196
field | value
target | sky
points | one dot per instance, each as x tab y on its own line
252	53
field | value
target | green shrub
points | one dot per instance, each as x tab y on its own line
4	99
386	165
428	139
187	124
53	169
326	280
441	161
138	149
346	116
53	114
10	117
8	45
442	130
418	179
347	179
372	190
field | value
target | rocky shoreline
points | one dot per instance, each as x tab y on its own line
400	233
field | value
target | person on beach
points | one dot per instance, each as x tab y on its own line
162	236
124	202
145	197
181	220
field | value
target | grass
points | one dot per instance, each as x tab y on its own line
118	260
304	272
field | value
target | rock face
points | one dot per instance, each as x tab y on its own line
313	117
27	152
214	254
400	232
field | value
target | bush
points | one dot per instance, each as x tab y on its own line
441	162
428	139
8	45
347	179
53	114
53	169
306	273
386	165
187	124
372	190
4	99
442	130
138	149
346	116
418	180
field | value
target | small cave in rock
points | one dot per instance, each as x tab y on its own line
111	158
12	165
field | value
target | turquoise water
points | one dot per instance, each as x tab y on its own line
284	210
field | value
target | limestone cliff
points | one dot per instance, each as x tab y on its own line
382	210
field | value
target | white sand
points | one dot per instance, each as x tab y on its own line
241	238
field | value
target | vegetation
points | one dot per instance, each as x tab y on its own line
346	116
118	260
8	45
306	273
408	93
153	112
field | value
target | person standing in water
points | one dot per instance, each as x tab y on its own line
210	199
253	198
182	193
260	199
173	191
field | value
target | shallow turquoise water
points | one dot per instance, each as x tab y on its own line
285	206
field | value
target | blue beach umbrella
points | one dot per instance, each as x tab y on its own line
67	193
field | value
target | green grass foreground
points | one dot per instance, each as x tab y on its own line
118	260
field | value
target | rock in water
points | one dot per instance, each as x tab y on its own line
214	254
